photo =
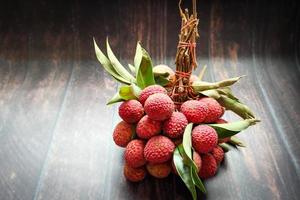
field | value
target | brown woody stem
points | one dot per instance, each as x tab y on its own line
186	56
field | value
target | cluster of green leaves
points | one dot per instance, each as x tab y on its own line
222	92
139	76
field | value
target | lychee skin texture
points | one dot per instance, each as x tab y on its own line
131	111
159	107
215	110
218	154
122	134
134	174
134	153
195	111
159	170
209	166
204	138
159	149
147	128
222	140
197	160
152	89
175	125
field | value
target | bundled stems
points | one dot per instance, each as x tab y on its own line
186	56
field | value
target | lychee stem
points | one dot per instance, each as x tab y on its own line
186	56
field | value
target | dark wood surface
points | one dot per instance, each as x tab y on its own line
56	131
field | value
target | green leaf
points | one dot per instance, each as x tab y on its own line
239	108
202	85
187	146
211	93
230	129
117	65
128	92
160	80
115	99
236	141
132	68
143	66
197	181
227	91
184	171
187	140
105	62
225	147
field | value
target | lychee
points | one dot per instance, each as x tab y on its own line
134	153
195	111
161	170
218	154
152	89
175	125
215	110
197	160
209	166
159	149
159	107
222	140
134	174
131	111
147	128
123	133
204	138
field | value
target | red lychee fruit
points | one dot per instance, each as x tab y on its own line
204	138
175	125
134	174
197	160
134	153
222	140
152	89
215	110
195	111
218	154
209	166
159	149
131	111
147	128
123	133
161	170
159	107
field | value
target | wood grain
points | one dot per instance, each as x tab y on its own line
56	131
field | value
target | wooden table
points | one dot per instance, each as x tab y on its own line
56	131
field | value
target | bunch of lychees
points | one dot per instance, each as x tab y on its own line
152	128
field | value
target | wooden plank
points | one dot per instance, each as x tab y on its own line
56	132
31	95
